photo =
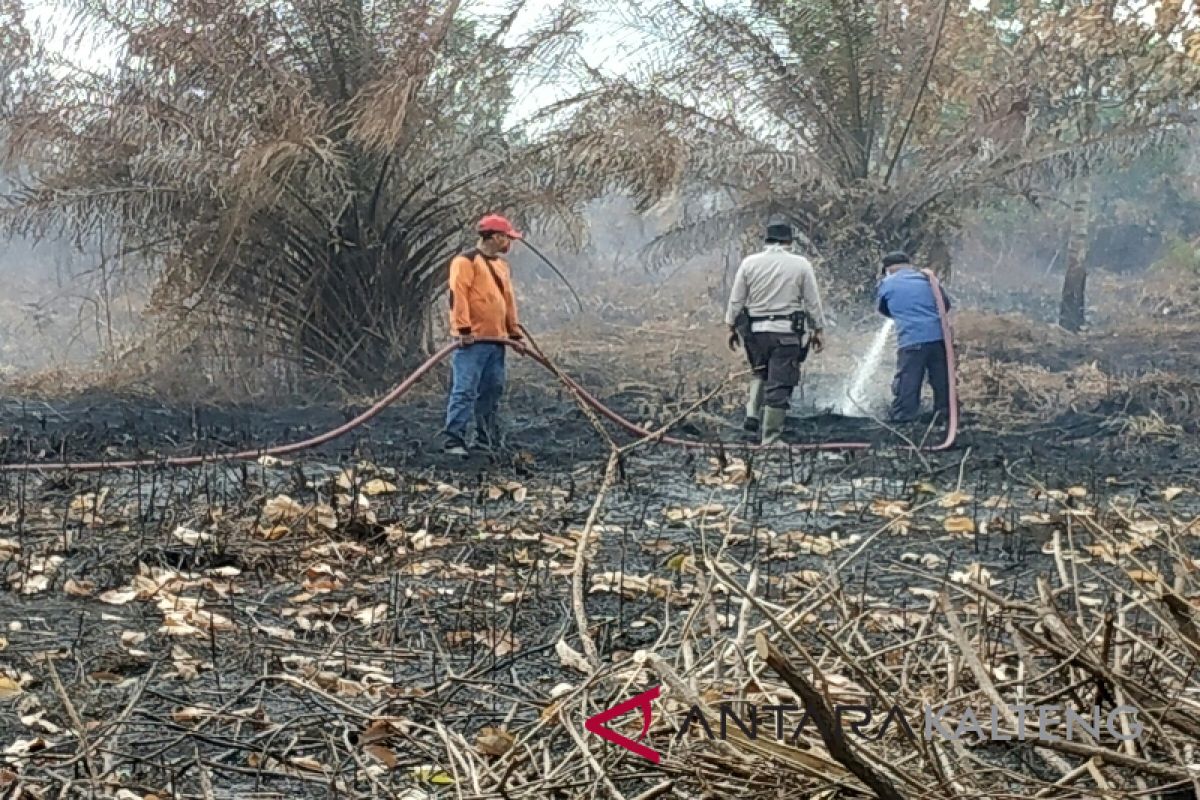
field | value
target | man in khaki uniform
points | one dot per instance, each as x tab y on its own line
773	291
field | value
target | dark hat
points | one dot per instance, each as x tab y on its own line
895	257
780	232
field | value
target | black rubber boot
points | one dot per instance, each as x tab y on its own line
454	446
488	435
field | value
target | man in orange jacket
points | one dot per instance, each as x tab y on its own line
482	306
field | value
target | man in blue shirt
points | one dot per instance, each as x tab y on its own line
906	296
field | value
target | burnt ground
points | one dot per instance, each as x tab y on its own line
438	597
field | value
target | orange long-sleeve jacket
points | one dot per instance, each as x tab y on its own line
482	302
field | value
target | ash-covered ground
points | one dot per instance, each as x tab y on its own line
340	623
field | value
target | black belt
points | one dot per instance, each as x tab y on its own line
772	318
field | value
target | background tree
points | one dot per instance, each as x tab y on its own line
15	50
873	125
1119	68
296	172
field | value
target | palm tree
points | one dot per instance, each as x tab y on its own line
868	124
295	172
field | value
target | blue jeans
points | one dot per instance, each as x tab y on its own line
478	374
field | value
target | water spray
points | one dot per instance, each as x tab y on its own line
855	399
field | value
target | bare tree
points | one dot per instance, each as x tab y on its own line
299	171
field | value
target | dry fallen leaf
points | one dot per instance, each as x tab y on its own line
572	658
378	486
501	642
85	508
958	525
191	537
954	499
494	741
274	532
882	507
191	714
382	755
282	508
1144	576
23	747
8	550
9	688
373	615
322	578
79	588
306	763
345	480
1145	527
325	517
458	638
382	729
132	638
975	573
118	597
278	633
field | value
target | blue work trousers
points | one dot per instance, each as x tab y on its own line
913	365
479	376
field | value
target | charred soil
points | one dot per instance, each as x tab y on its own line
376	619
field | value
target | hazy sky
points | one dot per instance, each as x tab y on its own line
604	46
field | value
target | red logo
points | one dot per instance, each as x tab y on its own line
596	724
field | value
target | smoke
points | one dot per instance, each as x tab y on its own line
61	306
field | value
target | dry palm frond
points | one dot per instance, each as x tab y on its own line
304	170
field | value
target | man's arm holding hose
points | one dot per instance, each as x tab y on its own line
512	323
462	271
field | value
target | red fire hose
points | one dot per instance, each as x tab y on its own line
408	383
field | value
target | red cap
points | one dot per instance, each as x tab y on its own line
494	223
